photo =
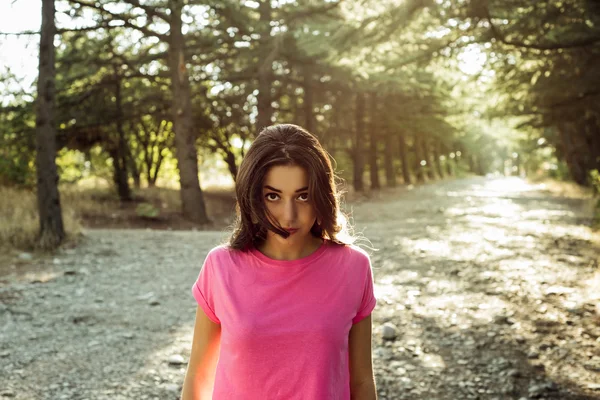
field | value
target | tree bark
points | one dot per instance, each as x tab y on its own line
120	157
359	143
406	173
336	127
52	230
437	152
373	137
231	164
421	175
447	160
428	157
192	199
132	167
571	148
390	174
265	68
309	114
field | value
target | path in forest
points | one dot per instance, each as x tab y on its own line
493	286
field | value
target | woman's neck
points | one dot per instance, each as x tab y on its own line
277	252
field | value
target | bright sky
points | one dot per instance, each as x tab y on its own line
20	53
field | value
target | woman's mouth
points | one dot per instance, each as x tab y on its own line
291	231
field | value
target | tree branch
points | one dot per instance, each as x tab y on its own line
124	18
583	42
150	11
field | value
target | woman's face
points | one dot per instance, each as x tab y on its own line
285	193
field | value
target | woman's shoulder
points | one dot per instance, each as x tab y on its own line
352	251
224	252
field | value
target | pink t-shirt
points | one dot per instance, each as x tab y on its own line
285	324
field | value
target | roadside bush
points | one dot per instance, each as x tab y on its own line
19	223
594	179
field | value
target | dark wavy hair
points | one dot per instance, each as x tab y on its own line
285	144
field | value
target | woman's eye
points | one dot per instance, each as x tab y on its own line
303	197
271	196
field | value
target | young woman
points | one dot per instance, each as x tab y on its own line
284	310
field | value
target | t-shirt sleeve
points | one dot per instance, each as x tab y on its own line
202	289
368	298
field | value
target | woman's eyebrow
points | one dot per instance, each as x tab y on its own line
279	191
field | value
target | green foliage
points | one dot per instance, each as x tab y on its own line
559	171
409	56
147	210
595	181
17	143
71	165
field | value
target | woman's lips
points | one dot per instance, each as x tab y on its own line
291	231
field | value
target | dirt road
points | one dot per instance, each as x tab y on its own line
492	287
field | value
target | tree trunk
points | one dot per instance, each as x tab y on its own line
359	143
421	175
335	128
572	155
309	114
390	174
120	156
404	158
296	102
471	160
427	156
373	138
231	164
192	199
48	198
133	167
265	68
437	152
153	173
592	138
447	160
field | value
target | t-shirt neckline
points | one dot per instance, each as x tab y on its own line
290	263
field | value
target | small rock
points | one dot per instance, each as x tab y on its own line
533	354
176	360
593	386
389	331
56	261
520	339
171	387
153	302
146	296
7	393
513	373
545	346
535	391
25	256
503	320
593	365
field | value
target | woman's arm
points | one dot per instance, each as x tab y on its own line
200	376
362	381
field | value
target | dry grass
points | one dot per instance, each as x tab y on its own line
564	188
19	224
101	207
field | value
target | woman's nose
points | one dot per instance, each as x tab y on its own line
290	211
